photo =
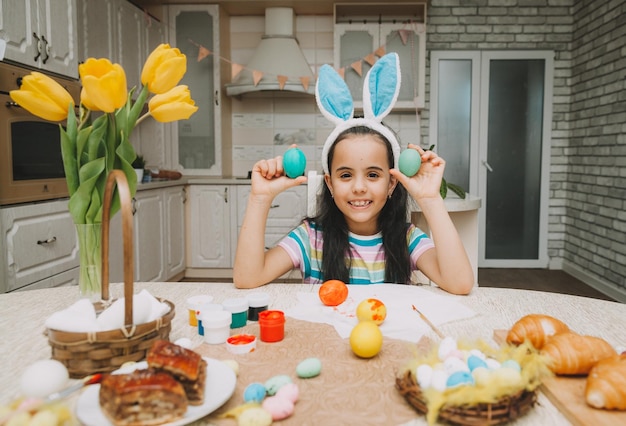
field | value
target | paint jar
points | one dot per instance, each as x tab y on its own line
193	303
238	307
272	326
203	308
241	344
216	326
257	303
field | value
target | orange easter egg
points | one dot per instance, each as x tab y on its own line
333	292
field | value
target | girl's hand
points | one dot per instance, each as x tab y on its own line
269	179
427	181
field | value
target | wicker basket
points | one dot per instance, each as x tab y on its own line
105	351
502	411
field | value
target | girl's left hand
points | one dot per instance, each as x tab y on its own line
427	181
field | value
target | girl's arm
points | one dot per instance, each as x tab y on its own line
447	265
254	266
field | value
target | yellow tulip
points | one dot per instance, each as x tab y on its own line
173	105
104	84
42	96
84	99
163	69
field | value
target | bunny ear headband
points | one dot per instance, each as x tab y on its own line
380	91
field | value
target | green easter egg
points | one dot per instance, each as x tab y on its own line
308	368
409	162
294	163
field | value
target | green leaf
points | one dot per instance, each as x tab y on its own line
443	189
80	201
457	190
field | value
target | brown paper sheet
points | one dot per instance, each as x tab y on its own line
349	390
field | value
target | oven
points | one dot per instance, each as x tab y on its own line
31	167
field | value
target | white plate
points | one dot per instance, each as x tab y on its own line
219	387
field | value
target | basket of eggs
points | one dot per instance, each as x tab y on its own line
472	383
85	353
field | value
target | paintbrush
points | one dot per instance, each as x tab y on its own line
53	397
430	324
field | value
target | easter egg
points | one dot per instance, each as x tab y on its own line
371	310
474	362
439	380
289	391
294	162
409	162
447	345
273	384
511	363
333	292
279	408
366	339
459	378
424	375
255	416
308	368
254	392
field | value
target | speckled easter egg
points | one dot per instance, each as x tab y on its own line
274	383
254	392
409	162
308	368
294	162
256	416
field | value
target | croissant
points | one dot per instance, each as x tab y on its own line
606	384
535	328
572	354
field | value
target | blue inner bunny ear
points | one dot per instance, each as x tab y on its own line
333	95
383	83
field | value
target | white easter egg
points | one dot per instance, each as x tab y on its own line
439	380
447	345
453	365
511	363
424	375
43	377
492	364
478	353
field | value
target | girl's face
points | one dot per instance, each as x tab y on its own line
360	181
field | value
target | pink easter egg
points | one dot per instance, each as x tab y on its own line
289	391
279	408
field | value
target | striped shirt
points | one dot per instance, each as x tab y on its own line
304	246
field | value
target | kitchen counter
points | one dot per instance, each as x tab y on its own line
24	313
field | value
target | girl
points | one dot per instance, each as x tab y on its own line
360	234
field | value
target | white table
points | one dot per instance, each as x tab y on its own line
22	339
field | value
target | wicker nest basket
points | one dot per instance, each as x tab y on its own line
99	352
502	411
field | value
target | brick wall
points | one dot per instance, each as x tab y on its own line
587	222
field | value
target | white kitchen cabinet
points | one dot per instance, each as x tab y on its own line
196	142
362	29
41	34
158	236
38	243
212	211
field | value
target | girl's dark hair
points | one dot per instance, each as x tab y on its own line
331	222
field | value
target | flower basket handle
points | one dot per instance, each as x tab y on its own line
118	176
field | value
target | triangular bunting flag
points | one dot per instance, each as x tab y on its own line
257	76
342	72
357	66
305	82
203	52
380	52
404	36
235	69
370	59
282	79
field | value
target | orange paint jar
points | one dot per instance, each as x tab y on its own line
272	326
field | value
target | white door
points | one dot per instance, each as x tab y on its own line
491	114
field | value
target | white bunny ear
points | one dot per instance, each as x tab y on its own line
381	87
333	96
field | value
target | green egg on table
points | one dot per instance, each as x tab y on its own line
308	368
274	383
294	162
409	162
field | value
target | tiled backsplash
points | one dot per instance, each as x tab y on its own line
264	127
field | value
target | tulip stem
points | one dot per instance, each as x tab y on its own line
143	117
84	119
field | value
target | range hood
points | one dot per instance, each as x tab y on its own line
278	54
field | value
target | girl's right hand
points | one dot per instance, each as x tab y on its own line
269	179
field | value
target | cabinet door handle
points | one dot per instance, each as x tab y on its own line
217	98
46	49
487	166
48	241
37	46
226	194
274	206
134	204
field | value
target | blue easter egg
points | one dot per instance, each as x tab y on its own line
474	362
294	162
409	162
254	392
459	378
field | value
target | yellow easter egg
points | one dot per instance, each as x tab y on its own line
366	339
371	310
